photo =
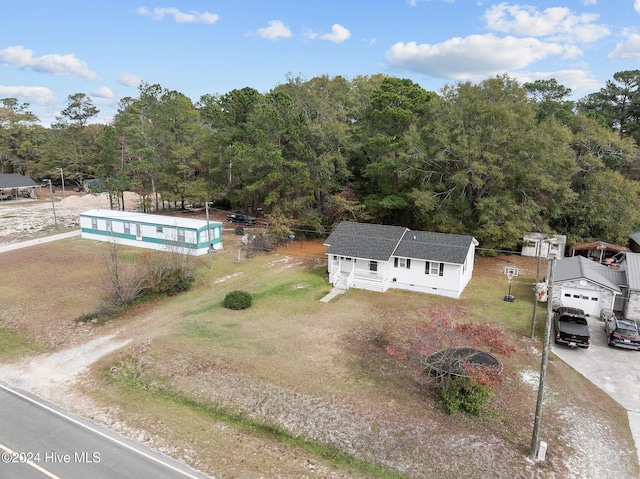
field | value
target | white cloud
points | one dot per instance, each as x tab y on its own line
68	64
129	79
103	92
636	5
180	17
590	2
31	94
577	80
557	23
627	50
338	34
275	30
461	58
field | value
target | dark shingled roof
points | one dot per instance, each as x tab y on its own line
15	180
441	247
363	240
381	242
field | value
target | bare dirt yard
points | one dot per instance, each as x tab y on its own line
308	370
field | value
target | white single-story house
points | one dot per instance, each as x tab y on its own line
546	246
588	285
164	233
379	257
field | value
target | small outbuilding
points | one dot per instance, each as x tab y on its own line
159	232
545	246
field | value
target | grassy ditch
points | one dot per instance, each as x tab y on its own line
131	383
14	346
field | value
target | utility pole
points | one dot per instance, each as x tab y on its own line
62	179
210	248
535	299
53	203
543	366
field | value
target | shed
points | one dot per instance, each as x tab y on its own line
159	232
547	246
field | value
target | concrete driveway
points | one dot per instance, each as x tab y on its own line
614	370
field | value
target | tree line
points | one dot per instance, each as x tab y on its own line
495	159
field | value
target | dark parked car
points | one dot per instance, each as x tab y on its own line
241	219
622	332
571	327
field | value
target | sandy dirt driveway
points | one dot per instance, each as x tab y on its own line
24	219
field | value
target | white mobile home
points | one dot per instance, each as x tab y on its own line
379	257
164	233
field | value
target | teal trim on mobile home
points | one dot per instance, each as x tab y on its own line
164	233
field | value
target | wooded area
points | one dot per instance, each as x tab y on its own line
495	159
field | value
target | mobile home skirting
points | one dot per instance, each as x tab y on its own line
163	233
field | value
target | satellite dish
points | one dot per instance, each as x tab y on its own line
245	239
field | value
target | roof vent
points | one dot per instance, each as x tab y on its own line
414	237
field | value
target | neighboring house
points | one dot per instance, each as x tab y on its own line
630	264
546	246
165	233
14	185
379	257
588	285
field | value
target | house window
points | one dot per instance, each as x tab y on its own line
94	223
109	225
180	235
402	263
127	228
434	268
159	229
373	266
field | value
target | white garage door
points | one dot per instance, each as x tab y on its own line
586	299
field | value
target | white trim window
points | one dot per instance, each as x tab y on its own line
434	268
402	263
373	266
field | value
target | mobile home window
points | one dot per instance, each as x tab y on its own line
127	228
180	235
94	223
159	229
109	225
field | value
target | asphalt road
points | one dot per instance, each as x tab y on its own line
614	370
39	440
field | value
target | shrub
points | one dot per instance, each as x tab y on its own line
237	300
465	395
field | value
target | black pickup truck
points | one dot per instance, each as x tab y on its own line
571	327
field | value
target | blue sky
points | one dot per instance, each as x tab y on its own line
51	49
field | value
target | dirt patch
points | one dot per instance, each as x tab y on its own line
28	218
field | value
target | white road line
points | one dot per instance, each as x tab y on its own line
99	433
30	463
